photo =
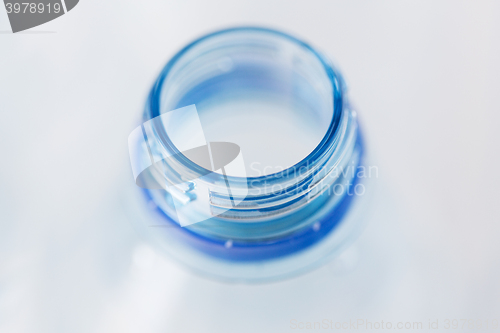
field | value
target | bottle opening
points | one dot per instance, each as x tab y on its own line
263	91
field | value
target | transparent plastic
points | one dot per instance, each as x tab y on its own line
284	106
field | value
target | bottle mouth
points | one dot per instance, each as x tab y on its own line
262	216
251	217
189	68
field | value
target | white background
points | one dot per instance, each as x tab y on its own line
425	76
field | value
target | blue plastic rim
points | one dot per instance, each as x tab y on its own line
293	242
153	108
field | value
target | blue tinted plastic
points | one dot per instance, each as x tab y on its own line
315	192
